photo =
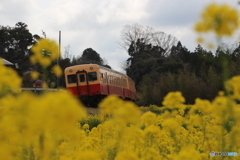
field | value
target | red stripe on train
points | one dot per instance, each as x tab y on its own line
101	89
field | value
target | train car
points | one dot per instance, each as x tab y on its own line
92	82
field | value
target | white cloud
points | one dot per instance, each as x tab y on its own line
125	10
13	11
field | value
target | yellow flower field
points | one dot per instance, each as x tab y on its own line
55	126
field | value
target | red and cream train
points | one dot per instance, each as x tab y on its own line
92	82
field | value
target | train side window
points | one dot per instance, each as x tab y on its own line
113	80
109	79
106	78
71	78
92	76
82	77
118	81
124	82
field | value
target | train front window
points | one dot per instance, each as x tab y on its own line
82	78
71	78
92	76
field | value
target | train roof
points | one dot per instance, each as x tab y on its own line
102	67
113	71
106	68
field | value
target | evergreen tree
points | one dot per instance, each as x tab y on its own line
91	56
14	45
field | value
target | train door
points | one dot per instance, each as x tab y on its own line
82	83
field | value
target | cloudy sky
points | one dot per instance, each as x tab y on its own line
97	24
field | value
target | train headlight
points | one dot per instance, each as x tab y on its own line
91	68
70	70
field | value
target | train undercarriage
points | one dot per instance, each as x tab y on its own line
93	101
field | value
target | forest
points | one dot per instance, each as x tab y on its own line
158	63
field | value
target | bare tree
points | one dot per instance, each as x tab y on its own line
166	41
67	52
44	34
229	48
124	65
132	33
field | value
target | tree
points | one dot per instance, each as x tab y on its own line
15	43
235	56
146	61
64	63
91	56
131	35
180	52
67	53
166	41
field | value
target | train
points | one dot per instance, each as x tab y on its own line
92	82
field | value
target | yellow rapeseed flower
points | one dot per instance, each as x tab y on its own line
200	40
151	153
45	61
45	51
88	155
174	100
57	70
172	125
34	75
44	85
195	120
187	153
86	126
152	131
148	119
9	81
233	87
210	45
121	110
221	19
203	106
127	155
